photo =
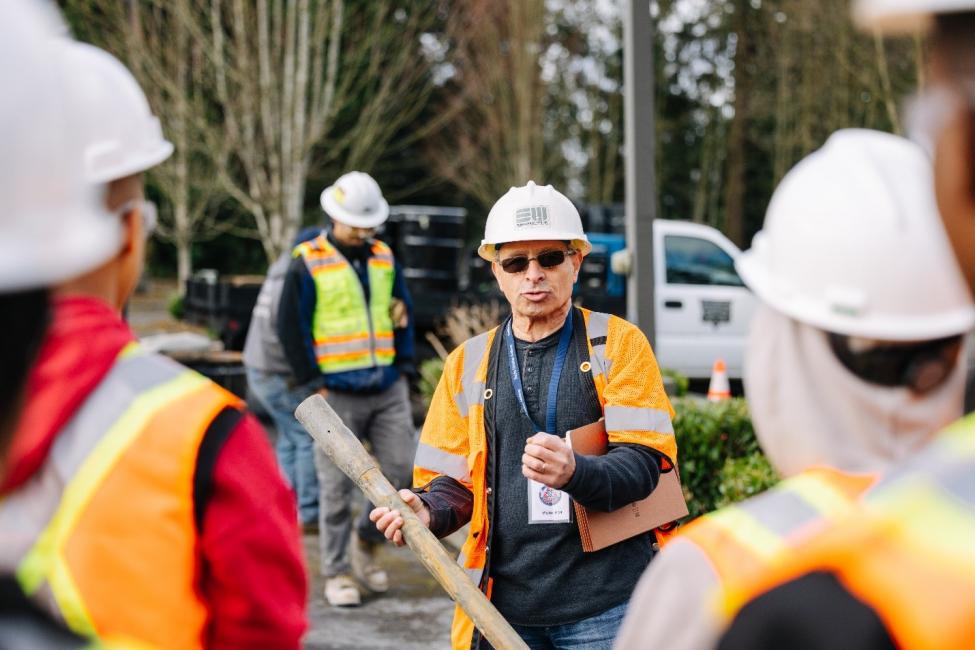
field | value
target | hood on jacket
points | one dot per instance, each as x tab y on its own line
809	410
82	343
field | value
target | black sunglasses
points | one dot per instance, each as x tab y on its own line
920	366
546	260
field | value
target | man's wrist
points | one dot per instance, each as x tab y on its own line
578	474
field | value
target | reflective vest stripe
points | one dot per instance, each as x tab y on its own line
748	532
597	328
46	560
438	460
475	573
472	390
631	418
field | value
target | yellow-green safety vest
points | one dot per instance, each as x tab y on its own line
348	334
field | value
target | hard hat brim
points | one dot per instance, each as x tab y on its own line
488	250
337	212
819	313
136	165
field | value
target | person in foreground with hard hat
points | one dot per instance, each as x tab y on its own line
850	368
493	453
139	499
30	222
345	322
898	571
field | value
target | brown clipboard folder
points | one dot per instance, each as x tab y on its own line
601	529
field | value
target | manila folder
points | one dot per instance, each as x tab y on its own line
601	529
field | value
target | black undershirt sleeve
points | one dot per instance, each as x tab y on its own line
813	612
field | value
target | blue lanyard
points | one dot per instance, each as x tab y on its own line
553	385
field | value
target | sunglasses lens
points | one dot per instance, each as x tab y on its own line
515	264
551	258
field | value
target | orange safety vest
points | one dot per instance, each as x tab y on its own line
104	534
454	442
746	538
908	552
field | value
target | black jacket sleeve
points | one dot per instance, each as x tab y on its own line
627	473
294	323
449	502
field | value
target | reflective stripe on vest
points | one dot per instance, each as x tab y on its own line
350	335
103	534
744	538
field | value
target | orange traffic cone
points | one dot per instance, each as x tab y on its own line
718	388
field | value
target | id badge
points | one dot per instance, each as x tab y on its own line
547	505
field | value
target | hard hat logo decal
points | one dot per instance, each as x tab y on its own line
533	217
339	195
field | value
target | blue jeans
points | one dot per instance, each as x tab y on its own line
294	448
593	633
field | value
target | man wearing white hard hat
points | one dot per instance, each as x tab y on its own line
493	450
853	364
898	572
123	508
345	323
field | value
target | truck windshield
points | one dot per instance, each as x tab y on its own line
692	260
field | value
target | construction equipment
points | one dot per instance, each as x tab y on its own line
348	454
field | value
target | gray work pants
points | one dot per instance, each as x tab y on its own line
385	420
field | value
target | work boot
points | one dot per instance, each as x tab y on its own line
365	567
341	591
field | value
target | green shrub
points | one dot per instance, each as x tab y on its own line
681	382
743	478
430	371
712	440
176	307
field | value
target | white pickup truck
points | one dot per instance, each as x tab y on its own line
703	310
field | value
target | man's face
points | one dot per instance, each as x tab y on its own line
954	177
351	235
537	291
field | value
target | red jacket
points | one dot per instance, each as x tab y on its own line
252	574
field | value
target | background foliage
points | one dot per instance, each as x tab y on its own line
718	455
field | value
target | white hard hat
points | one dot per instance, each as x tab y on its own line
853	244
123	136
900	16
356	200
532	213
53	224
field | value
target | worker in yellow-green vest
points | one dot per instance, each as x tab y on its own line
345	323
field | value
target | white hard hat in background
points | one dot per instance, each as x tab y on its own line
53	224
532	213
123	137
901	16
852	244
356	200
